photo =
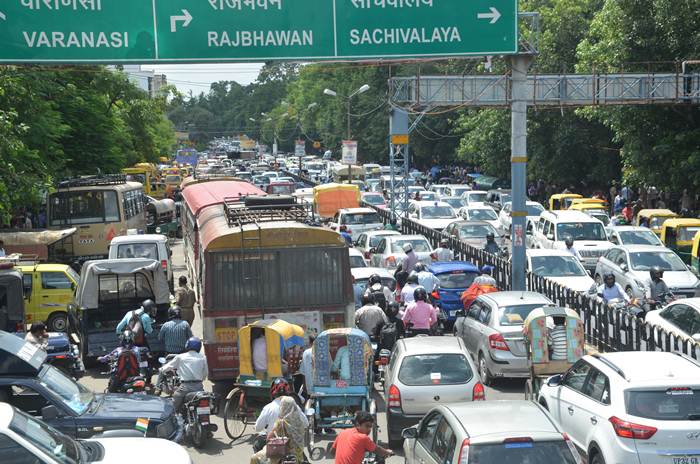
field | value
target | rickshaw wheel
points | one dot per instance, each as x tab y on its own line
235	420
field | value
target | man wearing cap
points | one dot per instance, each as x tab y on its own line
409	263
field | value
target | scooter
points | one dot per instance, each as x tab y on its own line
65	355
137	384
381	363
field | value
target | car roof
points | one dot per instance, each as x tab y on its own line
642	248
366	272
571	216
43	267
429	345
443	267
515	418
406	237
140	238
516	298
548	252
652	367
429	202
629	228
463	222
477	206
372	233
355	252
356	210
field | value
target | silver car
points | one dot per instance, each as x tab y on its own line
492	330
499	432
389	252
471	232
424	372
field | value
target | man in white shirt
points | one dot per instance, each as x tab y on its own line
426	279
407	290
259	350
571	249
191	367
444	254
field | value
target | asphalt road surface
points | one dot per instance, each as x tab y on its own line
221	450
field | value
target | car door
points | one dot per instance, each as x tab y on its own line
469	325
424	441
620	268
593	408
360	242
565	407
32	399
683	318
56	291
14	453
379	255
444	444
31	296
607	262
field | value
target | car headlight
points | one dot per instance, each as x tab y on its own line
158	230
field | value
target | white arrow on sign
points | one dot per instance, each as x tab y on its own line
494	16
186	18
2	16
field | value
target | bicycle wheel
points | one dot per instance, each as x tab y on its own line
235	418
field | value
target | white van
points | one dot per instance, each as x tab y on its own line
151	246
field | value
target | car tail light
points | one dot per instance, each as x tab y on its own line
464	452
139	384
394	397
435	295
390	261
164	264
497	342
203	403
478	393
572	448
626	429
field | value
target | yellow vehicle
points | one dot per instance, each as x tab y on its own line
562	201
654	218
150	179
101	208
694	259
48	289
589	201
678	234
596	210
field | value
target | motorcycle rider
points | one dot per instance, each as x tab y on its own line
611	290
408	290
191	367
139	322
129	367
270	413
571	249
426	279
443	253
175	333
411	258
420	314
655	288
486	277
382	294
370	318
491	245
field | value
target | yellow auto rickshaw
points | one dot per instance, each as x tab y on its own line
596	210
589	201
694	259
251	392
545	356
654	218
560	201
678	234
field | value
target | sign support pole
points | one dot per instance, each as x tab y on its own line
518	144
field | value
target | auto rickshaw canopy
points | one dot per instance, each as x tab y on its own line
675	224
589	202
651	214
561	199
280	336
326	347
537	332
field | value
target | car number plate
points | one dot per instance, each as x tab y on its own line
203	411
686	460
453	313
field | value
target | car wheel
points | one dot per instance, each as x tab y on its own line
58	322
484	373
597	458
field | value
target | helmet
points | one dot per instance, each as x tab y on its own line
374	279
656	272
444	242
194	344
412	278
149	306
609	278
174	313
127	338
569	242
490	237
419	294
419	267
487	269
407	247
393	308
367	298
280	387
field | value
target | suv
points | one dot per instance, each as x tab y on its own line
590	238
423	372
637	406
357	221
489	432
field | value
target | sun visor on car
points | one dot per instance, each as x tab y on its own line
18	356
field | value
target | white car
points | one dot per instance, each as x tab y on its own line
629	407
24	439
368	240
475	197
631	264
357	220
357	258
534	210
433	214
455	202
681	317
150	246
389	252
633	235
480	213
561	267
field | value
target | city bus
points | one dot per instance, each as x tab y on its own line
259	259
100	208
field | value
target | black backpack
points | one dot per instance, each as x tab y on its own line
388	335
377	291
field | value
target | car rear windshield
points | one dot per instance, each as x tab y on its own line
434	369
677	403
361	218
534	210
456	279
138	250
482	215
373	199
437	212
540	452
515	315
419	245
639	237
357	261
581	231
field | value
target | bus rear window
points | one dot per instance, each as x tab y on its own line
83	207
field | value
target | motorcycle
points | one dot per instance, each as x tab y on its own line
633	308
168	381
137	384
381	363
64	355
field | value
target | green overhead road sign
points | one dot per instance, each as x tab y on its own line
145	31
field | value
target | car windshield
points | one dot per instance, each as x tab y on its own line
434	369
581	231
476	197
373	199
71	393
482	215
639	237
602	217
375	239
138	250
454	202
61	447
557	266
523	452
418	244
475	230
666	260
357	261
534	210
687	234
456	279
282	189
361	218
437	212
428	196
505	198
173	179
677	403
458	191
515	315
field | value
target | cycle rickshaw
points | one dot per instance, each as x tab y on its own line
337	394
251	392
554	342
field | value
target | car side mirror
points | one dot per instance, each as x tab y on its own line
49	412
624	267
555	380
409	433
461	313
550	236
372	250
696	337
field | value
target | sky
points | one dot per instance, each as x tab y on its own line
198	77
